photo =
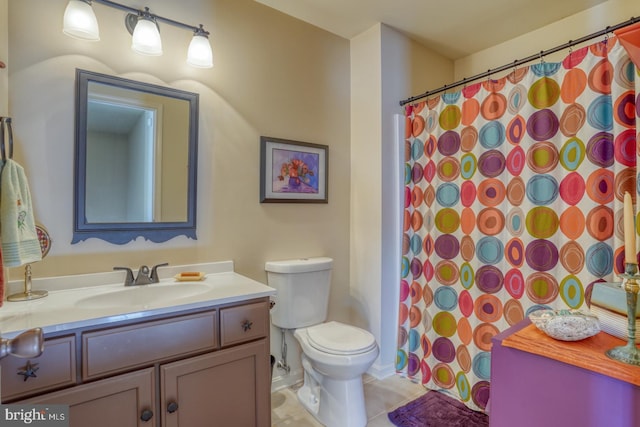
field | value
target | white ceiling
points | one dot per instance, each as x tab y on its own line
452	28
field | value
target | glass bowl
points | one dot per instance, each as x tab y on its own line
566	325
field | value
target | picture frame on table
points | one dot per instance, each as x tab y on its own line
293	171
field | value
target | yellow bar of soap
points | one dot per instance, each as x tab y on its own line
190	275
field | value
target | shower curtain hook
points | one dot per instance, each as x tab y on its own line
606	35
542	57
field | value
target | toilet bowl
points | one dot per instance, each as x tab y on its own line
335	356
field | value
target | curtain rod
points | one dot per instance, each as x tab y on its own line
516	63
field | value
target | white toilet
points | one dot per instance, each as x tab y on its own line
335	355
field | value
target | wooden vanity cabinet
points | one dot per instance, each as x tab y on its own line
218	389
205	369
123	401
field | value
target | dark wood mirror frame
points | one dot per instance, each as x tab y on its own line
123	232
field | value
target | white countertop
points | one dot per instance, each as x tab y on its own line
69	305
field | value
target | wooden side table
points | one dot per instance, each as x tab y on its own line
539	381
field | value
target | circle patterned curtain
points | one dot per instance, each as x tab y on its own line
512	202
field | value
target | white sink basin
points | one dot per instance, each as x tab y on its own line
143	295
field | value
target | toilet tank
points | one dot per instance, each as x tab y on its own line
303	291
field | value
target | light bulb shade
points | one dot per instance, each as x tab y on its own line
199	53
80	22
146	38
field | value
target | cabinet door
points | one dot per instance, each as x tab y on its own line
122	401
225	388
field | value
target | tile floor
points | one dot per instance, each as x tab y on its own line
381	397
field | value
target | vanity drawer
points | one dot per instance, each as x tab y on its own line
54	368
118	349
244	323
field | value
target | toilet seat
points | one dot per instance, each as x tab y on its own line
340	339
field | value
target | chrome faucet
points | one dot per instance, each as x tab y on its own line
154	272
143	277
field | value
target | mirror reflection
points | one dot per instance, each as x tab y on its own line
135	160
132	176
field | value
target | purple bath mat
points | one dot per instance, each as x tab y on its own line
435	409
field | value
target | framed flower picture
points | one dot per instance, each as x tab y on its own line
292	171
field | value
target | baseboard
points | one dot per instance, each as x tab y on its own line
285	379
381	372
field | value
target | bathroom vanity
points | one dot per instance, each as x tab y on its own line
195	360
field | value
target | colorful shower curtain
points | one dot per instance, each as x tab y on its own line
513	202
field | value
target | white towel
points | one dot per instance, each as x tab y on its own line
20	243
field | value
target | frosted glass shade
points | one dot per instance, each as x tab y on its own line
199	53
80	22
146	38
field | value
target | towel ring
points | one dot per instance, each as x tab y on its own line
6	121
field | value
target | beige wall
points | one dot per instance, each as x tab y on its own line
385	67
573	27
4	57
273	75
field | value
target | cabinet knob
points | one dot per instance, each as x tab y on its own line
246	325
172	407
146	415
29	370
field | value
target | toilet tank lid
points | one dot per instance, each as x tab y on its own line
300	265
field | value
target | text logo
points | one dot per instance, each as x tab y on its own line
34	415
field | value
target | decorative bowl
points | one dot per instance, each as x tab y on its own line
566	325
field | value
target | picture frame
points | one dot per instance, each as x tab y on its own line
293	171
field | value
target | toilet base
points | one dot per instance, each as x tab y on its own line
335	403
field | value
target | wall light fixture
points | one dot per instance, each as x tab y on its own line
80	22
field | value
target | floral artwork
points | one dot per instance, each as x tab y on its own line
292	171
295	172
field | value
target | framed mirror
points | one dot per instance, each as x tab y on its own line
135	160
